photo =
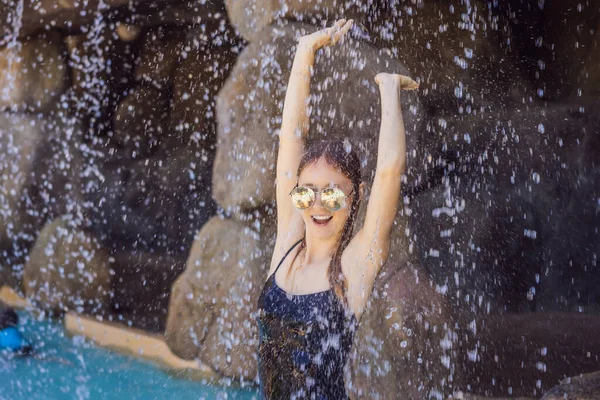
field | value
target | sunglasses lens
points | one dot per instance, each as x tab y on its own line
303	197
333	199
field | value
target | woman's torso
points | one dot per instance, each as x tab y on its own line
304	343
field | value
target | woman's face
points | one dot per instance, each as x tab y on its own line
319	176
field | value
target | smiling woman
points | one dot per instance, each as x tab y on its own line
312	301
335	175
337	170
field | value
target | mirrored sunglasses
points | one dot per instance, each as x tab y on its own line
332	198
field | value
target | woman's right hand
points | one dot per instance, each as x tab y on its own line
402	82
326	37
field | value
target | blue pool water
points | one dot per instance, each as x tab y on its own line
92	372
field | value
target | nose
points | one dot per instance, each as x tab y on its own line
318	205
318	200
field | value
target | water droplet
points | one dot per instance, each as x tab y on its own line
541	128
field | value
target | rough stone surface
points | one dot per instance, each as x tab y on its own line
493	204
19	137
68	270
33	74
213	301
161	49
560	52
102	75
76	16
142	286
196	82
566	200
405	341
128	32
473	250
487	53
453	48
35	16
140	121
38	183
582	387
589	75
154	204
250	104
249	17
527	354
18	141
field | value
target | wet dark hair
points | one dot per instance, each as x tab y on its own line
340	156
8	317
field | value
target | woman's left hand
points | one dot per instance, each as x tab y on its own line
326	37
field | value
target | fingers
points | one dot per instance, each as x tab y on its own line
332	30
403	82
339	23
328	36
345	28
339	29
407	83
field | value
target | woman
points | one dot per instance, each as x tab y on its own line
321	274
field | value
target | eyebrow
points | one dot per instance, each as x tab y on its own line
311	185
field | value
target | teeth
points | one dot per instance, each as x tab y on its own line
321	217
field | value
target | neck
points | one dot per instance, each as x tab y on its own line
318	249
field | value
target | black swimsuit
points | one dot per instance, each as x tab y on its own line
304	343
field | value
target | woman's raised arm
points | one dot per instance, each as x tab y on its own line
295	123
371	244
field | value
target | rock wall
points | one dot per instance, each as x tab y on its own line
33	74
213	301
68	270
586	386
111	124
147	130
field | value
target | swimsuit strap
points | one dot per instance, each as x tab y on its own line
286	254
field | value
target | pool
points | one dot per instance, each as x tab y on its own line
74	368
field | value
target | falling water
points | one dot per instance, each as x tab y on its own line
13	47
141	193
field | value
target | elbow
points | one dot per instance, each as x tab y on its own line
392	170
289	138
391	162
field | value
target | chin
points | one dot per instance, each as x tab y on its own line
323	232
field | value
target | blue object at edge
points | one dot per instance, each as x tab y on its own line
11	339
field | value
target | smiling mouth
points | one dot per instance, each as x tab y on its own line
321	221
